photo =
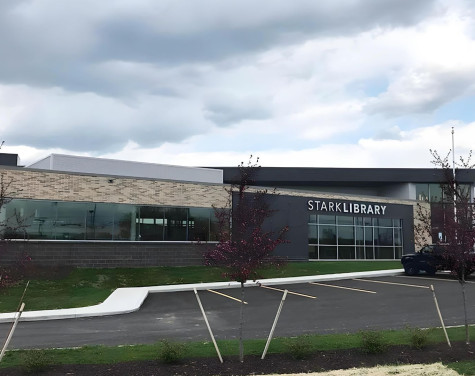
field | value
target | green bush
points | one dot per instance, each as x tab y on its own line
299	347
372	342
35	361
418	338
171	352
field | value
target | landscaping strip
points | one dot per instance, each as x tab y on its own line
279	345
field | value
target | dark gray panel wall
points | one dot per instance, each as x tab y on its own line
319	176
294	212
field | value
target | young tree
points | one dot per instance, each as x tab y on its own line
245	244
451	221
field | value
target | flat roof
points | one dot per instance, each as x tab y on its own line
327	176
104	166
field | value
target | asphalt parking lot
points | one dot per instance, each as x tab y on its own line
339	306
330	307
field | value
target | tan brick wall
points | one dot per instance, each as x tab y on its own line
422	238
58	186
51	185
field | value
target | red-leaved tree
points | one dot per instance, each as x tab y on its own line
451	221
245	244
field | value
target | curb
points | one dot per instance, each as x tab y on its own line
130	299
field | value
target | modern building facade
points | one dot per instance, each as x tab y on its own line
82	211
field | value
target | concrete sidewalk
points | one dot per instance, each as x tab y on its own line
130	299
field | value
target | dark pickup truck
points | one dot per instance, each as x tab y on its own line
430	259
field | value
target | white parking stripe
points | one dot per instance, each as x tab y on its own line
227	296
391	283
289	292
341	287
432	279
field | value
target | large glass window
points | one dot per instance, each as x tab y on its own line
124	222
328	252
41	222
422	192
327	234
346	252
434	193
313	235
198	224
59	220
151	223
347	237
71	221
383	236
384	252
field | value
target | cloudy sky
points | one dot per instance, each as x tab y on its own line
347	83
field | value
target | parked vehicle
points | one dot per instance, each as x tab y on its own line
430	259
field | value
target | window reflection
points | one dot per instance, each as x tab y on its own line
348	237
102	221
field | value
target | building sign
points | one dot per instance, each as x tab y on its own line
346	207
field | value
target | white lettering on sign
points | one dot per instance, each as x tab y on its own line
346	207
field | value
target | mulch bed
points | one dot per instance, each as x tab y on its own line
273	364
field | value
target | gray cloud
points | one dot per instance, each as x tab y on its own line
276	22
227	110
87	122
59	46
421	91
96	75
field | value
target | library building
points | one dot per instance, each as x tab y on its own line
94	212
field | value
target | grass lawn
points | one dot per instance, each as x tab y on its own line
464	368
103	354
84	287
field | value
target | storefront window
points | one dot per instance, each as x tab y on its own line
71	221
343	220
176	220
198	224
346	235
348	238
313	235
328	253
369	253
58	220
313	252
359	235
327	234
151	223
346	253
124	222
383	236
384	253
328	219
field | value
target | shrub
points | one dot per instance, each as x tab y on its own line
372	342
299	347
35	361
171	352
11	275
418	337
